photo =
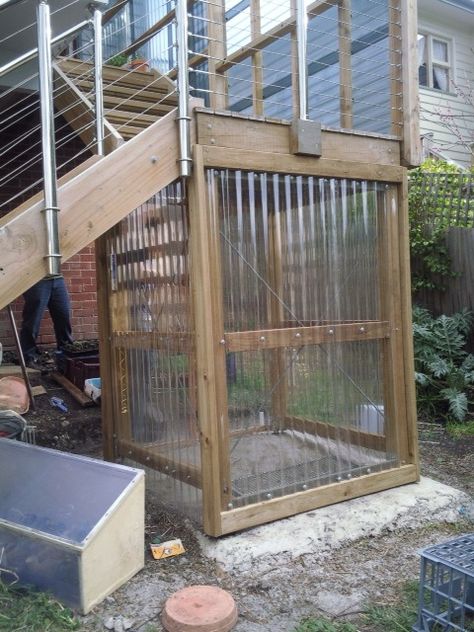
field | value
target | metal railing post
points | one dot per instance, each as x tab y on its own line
183	88
47	138
98	84
302	44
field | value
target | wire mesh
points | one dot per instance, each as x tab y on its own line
153	334
302	252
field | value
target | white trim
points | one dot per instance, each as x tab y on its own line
450	65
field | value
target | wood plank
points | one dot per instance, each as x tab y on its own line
90	203
411	146
36	391
277	508
395	59
212	420
105	350
80	397
257	58
407	328
113	74
242	132
345	62
252	160
355	437
149	456
300	336
217	43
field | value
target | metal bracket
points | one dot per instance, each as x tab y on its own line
305	137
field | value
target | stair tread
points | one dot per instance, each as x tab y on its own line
127	77
123	115
150	93
134	105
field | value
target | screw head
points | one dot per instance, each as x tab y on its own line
362	330
230	505
262	338
269	496
331	332
303	487
298	335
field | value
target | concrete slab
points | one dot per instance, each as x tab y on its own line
323	530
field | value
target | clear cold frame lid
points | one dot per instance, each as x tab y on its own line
60	494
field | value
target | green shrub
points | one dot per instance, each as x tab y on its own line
444	371
119	60
431	264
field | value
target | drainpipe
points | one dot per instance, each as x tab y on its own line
302	45
98	84
47	138
184	119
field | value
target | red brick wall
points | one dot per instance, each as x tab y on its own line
79	271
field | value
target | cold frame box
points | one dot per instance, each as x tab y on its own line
69	525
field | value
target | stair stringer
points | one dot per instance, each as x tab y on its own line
90	203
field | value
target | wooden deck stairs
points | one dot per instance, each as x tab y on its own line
141	110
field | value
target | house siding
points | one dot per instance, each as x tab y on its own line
433	104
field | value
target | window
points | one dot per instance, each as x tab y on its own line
434	62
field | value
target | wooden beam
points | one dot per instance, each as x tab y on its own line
252	160
91	203
328	431
277	508
80	397
257	58
244	132
149	456
105	350
411	145
345	62
217	44
407	327
395	61
300	336
210	355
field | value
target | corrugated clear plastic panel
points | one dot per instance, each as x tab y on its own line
153	336
302	252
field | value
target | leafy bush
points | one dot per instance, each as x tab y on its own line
119	60
431	264
444	371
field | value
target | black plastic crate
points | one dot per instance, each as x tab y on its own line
446	600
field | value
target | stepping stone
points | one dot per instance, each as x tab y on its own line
200	609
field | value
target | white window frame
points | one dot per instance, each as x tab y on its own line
430	62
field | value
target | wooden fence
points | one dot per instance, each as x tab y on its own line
447	200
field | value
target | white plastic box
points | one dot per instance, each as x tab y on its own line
69	525
93	388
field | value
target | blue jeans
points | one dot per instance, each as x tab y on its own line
51	294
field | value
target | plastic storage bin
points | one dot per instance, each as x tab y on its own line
69	525
446	599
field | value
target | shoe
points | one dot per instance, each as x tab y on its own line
39	362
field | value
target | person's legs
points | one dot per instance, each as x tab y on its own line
60	309
36	300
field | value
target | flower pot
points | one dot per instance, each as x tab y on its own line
139	65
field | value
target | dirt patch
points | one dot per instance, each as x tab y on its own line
338	584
